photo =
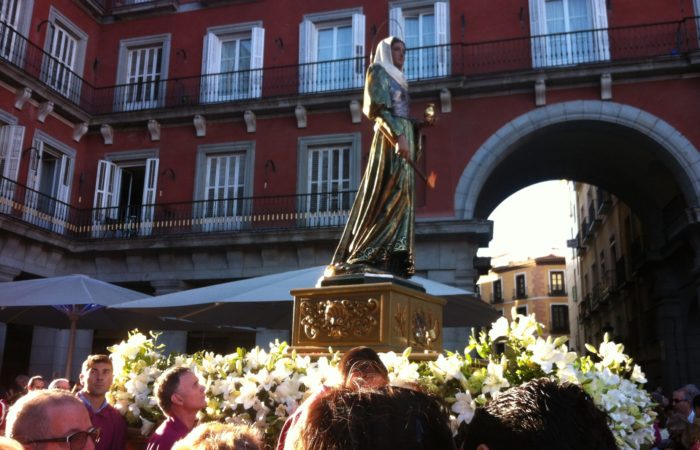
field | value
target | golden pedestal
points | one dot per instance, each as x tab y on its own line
384	316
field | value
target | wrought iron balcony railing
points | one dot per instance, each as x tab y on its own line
469	60
329	209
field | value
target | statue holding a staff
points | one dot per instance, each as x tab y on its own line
379	235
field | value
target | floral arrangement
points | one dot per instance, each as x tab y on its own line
263	388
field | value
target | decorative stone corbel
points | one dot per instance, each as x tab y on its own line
45	109
22	96
249	118
154	129
540	92
107	133
300	113
606	87
200	125
355	111
445	100
79	131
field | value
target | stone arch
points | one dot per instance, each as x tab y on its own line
504	141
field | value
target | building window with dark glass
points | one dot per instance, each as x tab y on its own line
556	283
520	290
521	310
560	319
497	292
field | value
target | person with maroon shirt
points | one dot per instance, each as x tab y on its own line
181	397
96	378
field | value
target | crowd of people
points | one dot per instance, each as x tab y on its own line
364	412
677	425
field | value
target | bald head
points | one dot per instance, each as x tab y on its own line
46	414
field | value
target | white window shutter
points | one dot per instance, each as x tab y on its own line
441	30
150	181
211	66
13	150
358	41
308	36
150	184
63	194
538	23
256	63
396	23
34	169
600	22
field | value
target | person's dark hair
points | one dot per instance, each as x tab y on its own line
362	360
166	385
95	359
541	415
387	417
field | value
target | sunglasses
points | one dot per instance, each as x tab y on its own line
678	400
75	441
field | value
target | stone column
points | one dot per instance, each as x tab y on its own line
174	341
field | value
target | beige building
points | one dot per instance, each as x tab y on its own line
614	295
534	286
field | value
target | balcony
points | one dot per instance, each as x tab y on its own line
476	62
519	294
250	214
556	292
603	200
128	8
608	287
496	298
559	327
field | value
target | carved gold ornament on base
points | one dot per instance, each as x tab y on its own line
384	316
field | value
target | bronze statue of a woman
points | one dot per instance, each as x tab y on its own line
379	235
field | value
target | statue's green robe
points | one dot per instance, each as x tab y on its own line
379	234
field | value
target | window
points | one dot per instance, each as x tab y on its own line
497	291
562	32
15	16
49	180
223	185
125	194
143	66
556	283
560	319
423	26
332	51
522	310
11	139
65	46
328	176
520	289
233	62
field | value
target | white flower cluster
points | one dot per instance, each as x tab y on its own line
263	388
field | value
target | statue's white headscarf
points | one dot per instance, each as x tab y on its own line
383	57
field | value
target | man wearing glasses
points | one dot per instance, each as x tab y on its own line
54	418
683	401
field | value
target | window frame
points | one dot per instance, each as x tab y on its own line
552	291
125	47
554	330
57	19
308	143
204	152
252	30
520	295
309	66
539	36
400	9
